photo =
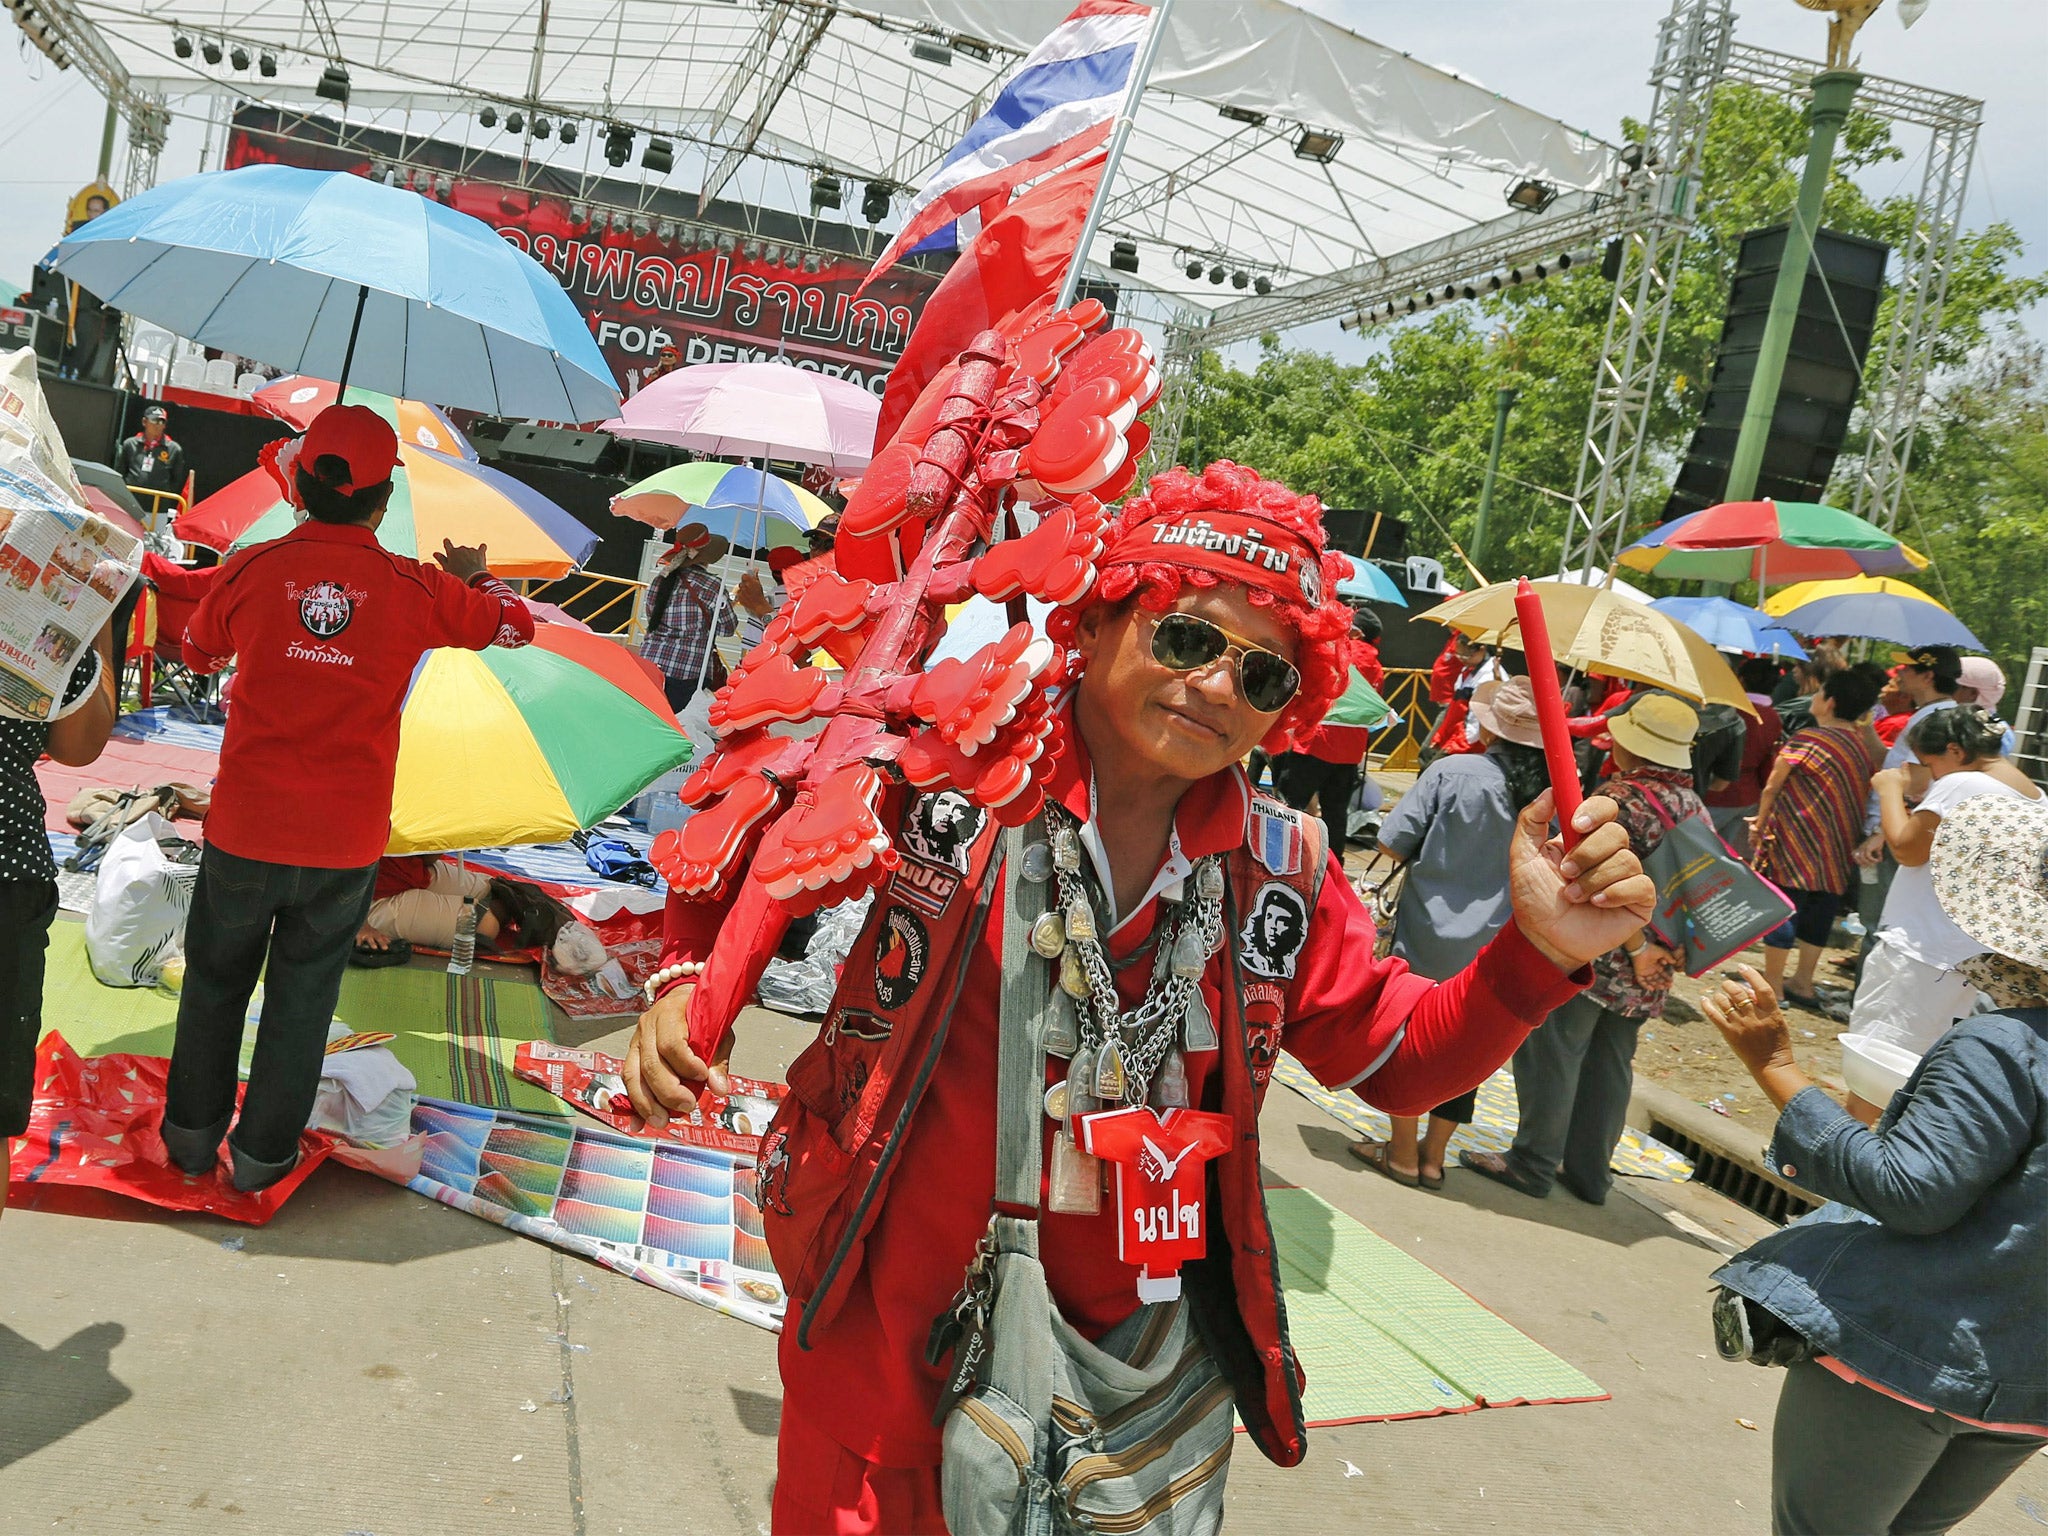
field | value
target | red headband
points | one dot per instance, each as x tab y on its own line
1244	549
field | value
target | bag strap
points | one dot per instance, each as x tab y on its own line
1020	1060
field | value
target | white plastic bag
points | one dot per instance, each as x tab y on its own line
366	1095
578	951
139	905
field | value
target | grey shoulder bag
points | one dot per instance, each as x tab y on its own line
1045	1431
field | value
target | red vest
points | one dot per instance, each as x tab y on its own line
827	1159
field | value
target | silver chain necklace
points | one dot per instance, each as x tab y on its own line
1129	1047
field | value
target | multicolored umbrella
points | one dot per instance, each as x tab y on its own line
528	745
724	498
434	497
1871	609
1599	629
1368	581
1732	626
1771	541
297	399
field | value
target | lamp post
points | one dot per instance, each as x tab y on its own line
1833	90
1503	402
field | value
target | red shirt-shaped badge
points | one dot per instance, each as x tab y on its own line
1158	1155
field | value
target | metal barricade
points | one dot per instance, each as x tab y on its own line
154	503
1397	746
610	605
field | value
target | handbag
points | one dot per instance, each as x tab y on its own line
1747	1330
1043	1430
1710	904
1382	898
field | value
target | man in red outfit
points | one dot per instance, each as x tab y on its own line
1326	764
326	626
878	1178
1462	667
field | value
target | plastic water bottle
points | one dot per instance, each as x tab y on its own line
1852	924
463	955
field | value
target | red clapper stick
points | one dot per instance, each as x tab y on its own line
1557	741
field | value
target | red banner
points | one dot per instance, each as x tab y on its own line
711	292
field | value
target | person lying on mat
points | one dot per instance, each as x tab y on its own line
418	901
326	626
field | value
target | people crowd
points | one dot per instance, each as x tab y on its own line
1204	918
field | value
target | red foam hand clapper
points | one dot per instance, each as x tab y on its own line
777	689
828	606
1055	562
881	500
697	857
741	758
830	839
969	701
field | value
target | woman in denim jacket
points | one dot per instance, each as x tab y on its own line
1913	1305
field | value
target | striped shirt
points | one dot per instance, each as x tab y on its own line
1810	841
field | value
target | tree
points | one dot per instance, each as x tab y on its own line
1407	431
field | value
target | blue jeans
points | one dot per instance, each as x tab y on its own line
303	921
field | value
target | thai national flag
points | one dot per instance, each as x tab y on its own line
1059	104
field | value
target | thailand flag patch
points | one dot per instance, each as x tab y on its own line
1276	841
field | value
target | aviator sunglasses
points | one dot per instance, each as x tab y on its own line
1185	643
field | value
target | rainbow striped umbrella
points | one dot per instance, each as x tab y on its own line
434	497
753	509
1771	541
297	399
527	745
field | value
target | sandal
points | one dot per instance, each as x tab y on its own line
368	957
1809	1001
1429	1180
1378	1156
1491	1165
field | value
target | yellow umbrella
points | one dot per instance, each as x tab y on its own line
1781	603
1597	628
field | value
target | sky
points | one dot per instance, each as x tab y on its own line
1584	61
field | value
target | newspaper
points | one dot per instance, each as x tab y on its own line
62	568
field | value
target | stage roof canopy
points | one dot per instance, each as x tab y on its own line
761	95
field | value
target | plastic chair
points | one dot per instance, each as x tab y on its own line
248	383
175	592
188	373
1426	575
220	376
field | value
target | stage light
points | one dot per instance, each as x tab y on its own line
1353	322
1123	256
726	244
1409	307
1468	292
750	249
444	188
489	116
1240	279
826	192
1216	273
238	57
579	213
1243	115
974	48
181	45
659	156
1428	301
1514	276
931	50
1611	259
1317	144
772	255
811	262
1262	285
1450	292
333	84
1531	195
874	202
642	225
1194	269
569	131
665	231
515	121
1631	157
1540	271
618	144
266	65
210	51
541	126
621	221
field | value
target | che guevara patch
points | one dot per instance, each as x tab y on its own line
1270	942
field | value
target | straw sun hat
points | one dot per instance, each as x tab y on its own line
1990	865
1659	729
1508	709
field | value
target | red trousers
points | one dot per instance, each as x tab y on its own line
823	1489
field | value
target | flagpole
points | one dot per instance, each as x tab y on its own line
1141	71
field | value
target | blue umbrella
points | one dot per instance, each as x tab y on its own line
331	275
1368	581
1730	626
1906	621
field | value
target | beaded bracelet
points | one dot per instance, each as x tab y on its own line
680	971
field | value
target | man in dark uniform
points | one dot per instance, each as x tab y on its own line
152	457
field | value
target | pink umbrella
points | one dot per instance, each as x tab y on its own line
548	613
771	410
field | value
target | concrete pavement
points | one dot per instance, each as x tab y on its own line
372	1362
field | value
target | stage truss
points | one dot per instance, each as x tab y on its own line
759	98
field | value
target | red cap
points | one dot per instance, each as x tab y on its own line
359	437
780	560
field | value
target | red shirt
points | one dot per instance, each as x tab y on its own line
1405	1044
326	626
404	872
1348	743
